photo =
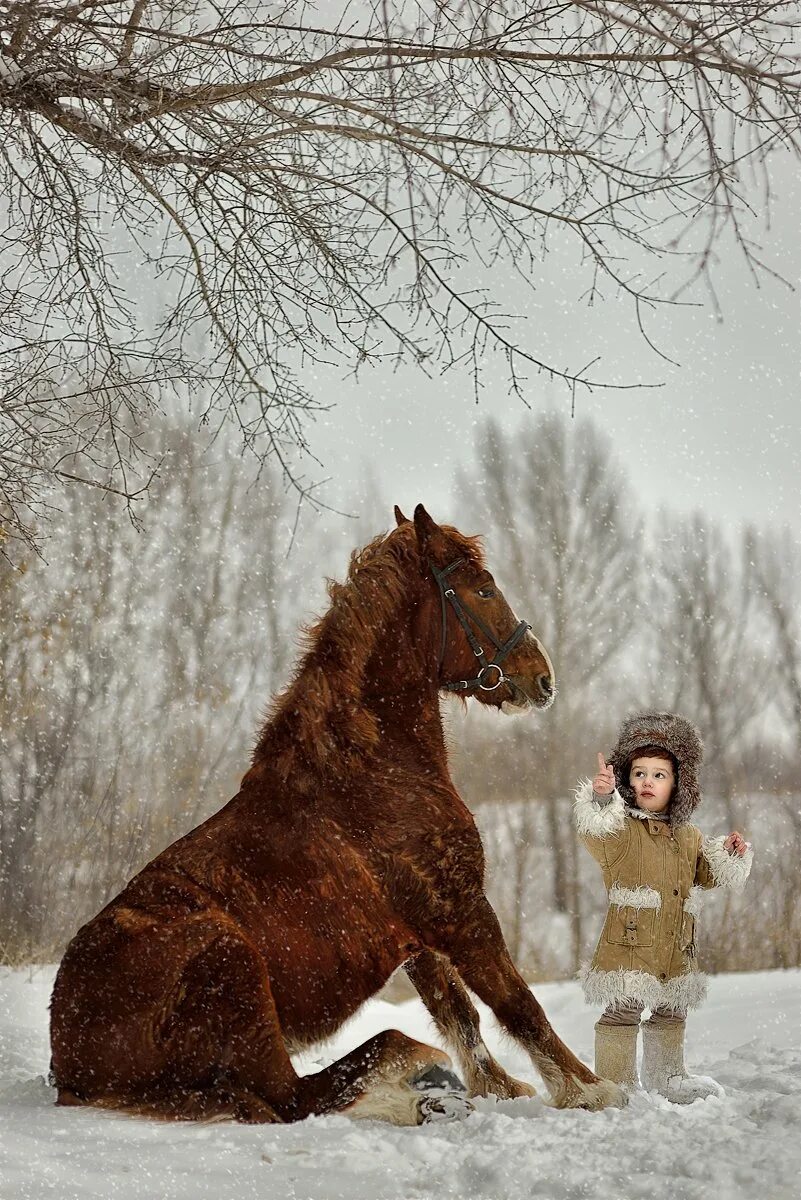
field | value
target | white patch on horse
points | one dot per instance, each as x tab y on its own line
482	1054
511	708
390	1101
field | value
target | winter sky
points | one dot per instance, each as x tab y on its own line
721	433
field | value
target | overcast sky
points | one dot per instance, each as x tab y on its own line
721	434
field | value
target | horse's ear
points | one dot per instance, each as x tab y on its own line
430	538
399	517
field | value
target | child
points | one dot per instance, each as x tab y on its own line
655	866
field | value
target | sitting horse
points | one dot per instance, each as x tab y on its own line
346	853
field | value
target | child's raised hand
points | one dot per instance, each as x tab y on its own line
735	843
604	782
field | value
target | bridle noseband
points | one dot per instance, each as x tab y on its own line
503	649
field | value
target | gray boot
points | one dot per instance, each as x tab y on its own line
616	1053
663	1069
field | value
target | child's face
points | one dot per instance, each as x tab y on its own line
652	782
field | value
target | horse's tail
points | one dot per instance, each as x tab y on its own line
212	1104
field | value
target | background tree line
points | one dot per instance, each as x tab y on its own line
135	669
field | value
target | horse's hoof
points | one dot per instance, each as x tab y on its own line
603	1094
436	1078
445	1106
590	1096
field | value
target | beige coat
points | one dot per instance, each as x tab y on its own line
655	875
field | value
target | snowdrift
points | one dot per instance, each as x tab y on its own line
745	1145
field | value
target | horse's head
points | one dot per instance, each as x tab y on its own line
484	650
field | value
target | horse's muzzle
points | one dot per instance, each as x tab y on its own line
527	693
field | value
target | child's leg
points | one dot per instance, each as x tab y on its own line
622	1014
663	1067
616	1043
660	1017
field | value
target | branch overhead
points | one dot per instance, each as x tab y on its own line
230	197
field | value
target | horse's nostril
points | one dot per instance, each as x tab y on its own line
546	685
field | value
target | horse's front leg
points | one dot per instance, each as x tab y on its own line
477	950
456	1018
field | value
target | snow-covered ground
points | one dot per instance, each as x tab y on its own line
744	1144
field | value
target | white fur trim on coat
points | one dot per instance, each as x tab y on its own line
636	897
728	870
621	987
593	819
694	902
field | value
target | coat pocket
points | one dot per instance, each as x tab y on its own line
632	914
627	926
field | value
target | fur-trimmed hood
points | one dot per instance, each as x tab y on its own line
678	737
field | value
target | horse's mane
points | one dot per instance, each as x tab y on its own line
320	719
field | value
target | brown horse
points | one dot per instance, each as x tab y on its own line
346	853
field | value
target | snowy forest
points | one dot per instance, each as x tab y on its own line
530	273
137	665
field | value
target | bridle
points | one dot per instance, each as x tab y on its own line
503	649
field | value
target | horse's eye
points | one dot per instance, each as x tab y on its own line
486	593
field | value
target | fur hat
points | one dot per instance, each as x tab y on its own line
679	739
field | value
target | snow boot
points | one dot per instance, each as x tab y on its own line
616	1053
663	1069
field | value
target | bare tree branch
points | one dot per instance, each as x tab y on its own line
229	195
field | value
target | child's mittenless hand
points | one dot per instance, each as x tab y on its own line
604	782
735	843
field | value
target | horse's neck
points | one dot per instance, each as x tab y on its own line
351	703
410	725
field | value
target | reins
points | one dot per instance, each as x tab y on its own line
463	612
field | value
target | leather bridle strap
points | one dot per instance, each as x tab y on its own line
464	615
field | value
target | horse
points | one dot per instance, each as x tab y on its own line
346	854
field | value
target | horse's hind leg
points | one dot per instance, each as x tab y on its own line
221	1037
457	1019
173	1019
224	1033
376	1080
